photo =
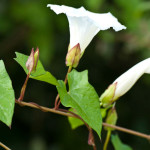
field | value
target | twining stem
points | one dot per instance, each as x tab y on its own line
57	101
107	139
45	109
4	146
91	140
24	88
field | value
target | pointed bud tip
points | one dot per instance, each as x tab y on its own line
32	61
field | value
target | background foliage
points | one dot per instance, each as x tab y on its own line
28	23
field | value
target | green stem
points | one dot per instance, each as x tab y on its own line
107	140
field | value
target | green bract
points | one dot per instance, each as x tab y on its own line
111	118
7	97
107	97
83	98
40	73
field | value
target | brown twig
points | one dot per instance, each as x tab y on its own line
91	140
4	146
45	109
63	112
129	131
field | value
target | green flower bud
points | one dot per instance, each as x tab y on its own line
73	56
111	118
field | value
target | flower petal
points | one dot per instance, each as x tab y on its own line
128	79
79	33
84	25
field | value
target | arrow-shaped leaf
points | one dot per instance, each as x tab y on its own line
83	98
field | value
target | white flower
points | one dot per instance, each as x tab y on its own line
124	83
84	25
128	79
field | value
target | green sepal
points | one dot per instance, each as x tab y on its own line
106	98
36	58
111	118
73	56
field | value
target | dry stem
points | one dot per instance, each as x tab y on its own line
4	146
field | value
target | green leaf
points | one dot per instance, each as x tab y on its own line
83	98
118	145
7	97
40	73
74	122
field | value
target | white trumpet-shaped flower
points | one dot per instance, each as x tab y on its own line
84	25
124	83
128	79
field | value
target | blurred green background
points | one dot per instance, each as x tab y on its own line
29	23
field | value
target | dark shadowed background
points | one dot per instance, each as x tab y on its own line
29	23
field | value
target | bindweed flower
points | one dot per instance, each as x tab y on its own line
84	25
124	83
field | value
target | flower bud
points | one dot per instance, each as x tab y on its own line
32	61
73	56
111	118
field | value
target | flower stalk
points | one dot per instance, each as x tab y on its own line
107	140
31	65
